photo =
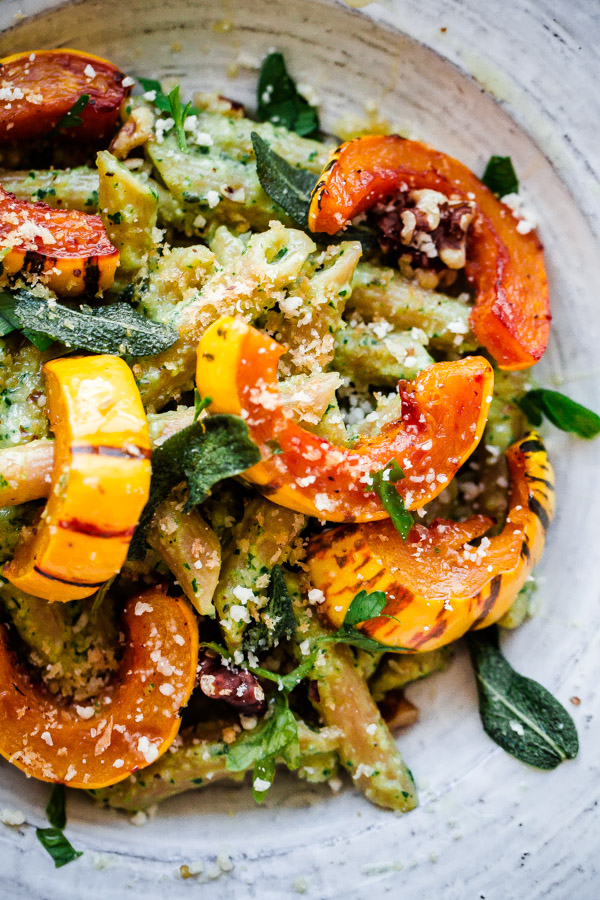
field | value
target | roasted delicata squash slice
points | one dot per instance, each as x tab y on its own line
39	88
69	250
438	585
443	415
100	480
132	720
505	264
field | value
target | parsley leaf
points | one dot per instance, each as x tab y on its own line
382	483
117	328
203	454
53	839
519	714
291	188
275	737
365	606
258	637
500	176
563	412
279	101
72	117
161	101
57	845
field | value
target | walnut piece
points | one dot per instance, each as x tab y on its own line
425	228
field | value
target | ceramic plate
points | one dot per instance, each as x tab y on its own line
487	827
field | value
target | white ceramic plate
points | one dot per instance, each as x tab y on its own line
487	826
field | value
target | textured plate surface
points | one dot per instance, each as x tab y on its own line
487	826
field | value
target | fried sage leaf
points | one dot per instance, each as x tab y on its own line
117	328
202	454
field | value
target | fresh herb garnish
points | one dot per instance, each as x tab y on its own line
53	839
519	714
382	483
201	454
99	598
117	328
56	809
363	608
171	104
258	637
57	845
279	101
276	737
291	188
563	412
288	186
72	118
179	114
200	403
161	101
500	176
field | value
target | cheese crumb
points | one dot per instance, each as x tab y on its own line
260	784
14	818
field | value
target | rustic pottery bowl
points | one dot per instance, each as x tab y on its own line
487	827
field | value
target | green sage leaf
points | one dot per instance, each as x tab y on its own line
519	714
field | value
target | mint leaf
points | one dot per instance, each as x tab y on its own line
382	483
278	99
365	606
563	412
519	714
201	454
56	810
258	637
57	845
500	176
117	328
72	117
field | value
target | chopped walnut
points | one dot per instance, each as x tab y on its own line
237	687
425	229
135	132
